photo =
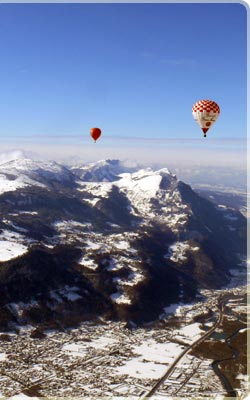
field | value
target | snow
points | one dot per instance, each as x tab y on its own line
133	279
173	308
28	212
69	225
11	235
177	251
122	245
88	263
80	350
27	172
93	245
192	332
45	169
9	250
93	201
165	353
112	225
176	218
18	228
3	357
69	293
100	171
74	349
242	377
72	296
243	330
21	396
244	386
139	369
148	185
11	155
102	343
113	265
9	185
141	186
178	309
98	190
120	298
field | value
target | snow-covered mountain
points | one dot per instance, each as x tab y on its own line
23	172
105	239
102	171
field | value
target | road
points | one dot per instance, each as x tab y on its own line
194	344
32	391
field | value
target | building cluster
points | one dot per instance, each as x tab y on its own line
85	361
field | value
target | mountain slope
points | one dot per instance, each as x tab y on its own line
139	241
101	171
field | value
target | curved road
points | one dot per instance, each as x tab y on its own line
200	340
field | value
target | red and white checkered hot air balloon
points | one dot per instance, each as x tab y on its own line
205	112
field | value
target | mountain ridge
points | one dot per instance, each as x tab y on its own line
145	239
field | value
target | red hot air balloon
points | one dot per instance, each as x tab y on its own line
205	112
95	133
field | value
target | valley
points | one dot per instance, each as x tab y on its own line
103	358
119	282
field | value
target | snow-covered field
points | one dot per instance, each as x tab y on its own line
138	368
164	353
7	185
9	250
107	360
191	332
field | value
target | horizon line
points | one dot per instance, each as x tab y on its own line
136	138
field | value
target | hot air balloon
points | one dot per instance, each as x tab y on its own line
205	112
95	133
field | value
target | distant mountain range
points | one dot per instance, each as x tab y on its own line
106	240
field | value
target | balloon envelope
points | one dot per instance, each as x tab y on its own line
205	112
95	133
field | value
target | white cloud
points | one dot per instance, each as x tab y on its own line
165	154
10	155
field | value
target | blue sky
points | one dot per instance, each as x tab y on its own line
134	70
